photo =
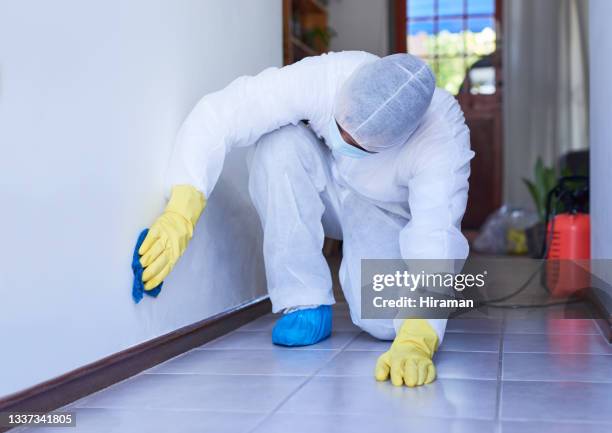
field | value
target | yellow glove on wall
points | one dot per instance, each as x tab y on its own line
408	361
170	233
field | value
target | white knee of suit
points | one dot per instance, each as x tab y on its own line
283	151
378	328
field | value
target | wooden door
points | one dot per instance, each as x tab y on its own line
483	116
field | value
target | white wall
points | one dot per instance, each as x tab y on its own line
601	128
91	96
600	40
361	25
545	87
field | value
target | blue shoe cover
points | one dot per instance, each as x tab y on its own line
303	327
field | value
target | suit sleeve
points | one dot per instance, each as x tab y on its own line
437	181
250	107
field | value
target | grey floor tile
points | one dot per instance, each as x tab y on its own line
551	326
263	340
557	367
158	421
263	323
479	326
196	392
556	343
444	398
570	311
557	377
351	363
453	341
361	423
468	342
344	323
556	401
483	313
449	365
365	341
277	362
467	365
554	427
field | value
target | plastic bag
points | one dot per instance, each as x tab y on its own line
504	231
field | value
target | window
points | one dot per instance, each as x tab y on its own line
454	36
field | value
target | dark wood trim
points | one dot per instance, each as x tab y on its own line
499	16
400	26
71	386
605	326
601	303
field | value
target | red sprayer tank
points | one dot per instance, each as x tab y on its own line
569	251
571	237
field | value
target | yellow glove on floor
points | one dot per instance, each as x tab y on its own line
408	361
170	233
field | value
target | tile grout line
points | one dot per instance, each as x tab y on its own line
303	384
500	366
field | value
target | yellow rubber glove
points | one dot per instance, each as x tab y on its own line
170	233
408	361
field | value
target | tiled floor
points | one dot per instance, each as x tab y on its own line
529	371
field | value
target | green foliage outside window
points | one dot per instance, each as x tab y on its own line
450	55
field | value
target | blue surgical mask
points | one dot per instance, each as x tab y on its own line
340	146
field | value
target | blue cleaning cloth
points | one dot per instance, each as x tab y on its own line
138	286
303	327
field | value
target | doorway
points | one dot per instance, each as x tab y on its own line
460	40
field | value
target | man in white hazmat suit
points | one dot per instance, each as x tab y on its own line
382	163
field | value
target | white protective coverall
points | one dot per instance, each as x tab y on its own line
405	202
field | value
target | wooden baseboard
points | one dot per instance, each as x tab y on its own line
71	386
601	303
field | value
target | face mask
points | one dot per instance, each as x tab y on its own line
340	146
